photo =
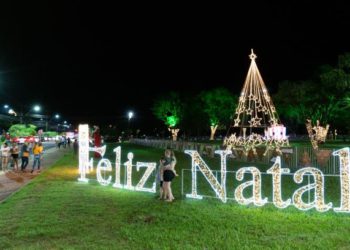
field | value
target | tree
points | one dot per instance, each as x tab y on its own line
219	105
326	97
21	130
169	109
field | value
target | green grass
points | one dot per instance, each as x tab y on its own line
55	211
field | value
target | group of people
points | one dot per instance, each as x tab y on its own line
166	174
13	152
64	142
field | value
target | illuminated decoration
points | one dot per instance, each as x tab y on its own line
213	129
103	165
174	132
277	132
344	180
98	150
317	134
97	139
256	183
172	120
117	167
128	166
256	111
277	172
318	185
83	151
150	167
197	162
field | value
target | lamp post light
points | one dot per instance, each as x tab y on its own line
130	116
35	108
48	119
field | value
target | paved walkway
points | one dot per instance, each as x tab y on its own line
12	181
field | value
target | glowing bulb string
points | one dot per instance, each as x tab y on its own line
217	172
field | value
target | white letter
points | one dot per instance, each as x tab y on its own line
151	166
117	151
344	163
318	185
197	161
256	183
83	151
276	172
128	166
107	167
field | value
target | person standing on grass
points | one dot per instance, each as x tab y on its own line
160	178
169	174
25	156
5	155
14	154
37	152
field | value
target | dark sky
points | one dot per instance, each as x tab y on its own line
50	49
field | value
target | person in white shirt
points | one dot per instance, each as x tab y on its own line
5	155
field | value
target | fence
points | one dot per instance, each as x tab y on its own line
292	157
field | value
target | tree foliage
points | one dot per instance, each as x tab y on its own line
169	109
20	130
219	105
325	97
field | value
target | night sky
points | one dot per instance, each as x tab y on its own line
49	51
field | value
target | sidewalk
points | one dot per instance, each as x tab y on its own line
12	181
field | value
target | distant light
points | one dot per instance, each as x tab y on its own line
12	112
37	108
57	116
65	122
130	115
6	106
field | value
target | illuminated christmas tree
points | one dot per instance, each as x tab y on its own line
257	114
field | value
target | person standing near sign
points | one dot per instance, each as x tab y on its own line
25	156
5	155
37	152
169	174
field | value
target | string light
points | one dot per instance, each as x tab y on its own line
318	185
198	162
101	151
128	166
277	172
174	132
103	165
255	110
256	183
83	151
150	168
317	134
344	163
117	151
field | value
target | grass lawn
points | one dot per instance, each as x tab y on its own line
55	211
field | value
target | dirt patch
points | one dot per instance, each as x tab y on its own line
142	219
14	176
